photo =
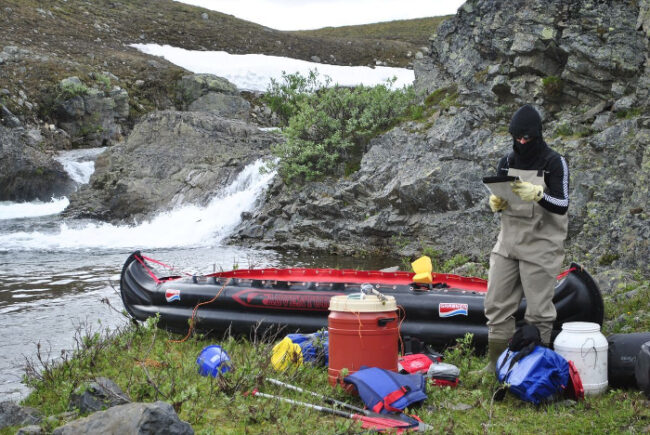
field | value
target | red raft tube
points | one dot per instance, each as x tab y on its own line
298	300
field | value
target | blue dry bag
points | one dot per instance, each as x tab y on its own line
535	376
385	391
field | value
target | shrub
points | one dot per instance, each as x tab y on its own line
284	96
328	128
71	90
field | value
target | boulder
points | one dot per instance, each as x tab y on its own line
92	117
210	93
157	418
27	170
97	395
13	415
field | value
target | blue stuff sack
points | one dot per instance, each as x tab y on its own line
536	377
314	347
384	391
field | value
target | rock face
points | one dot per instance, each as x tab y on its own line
27	172
170	158
581	63
133	418
93	116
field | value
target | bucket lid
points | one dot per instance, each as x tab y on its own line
581	327
369	304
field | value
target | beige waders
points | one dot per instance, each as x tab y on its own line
524	262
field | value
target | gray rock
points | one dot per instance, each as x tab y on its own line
93	117
27	172
33	136
30	430
228	106
170	158
8	118
157	418
13	415
99	394
193	86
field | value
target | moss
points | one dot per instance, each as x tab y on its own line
563	129
607	259
629	113
443	97
553	86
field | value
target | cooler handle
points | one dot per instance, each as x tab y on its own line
385	320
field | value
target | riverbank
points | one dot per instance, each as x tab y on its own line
150	364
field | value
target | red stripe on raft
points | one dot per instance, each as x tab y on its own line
350	276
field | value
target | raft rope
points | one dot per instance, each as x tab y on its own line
565	273
189	331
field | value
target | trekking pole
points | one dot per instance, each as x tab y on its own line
329	400
367	422
421	426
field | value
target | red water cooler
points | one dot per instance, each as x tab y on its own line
363	331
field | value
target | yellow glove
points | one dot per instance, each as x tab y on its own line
527	191
497	203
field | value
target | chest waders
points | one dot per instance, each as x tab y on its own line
524	263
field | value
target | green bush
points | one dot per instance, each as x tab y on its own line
329	127
284	96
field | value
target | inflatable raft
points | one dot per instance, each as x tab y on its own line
298	299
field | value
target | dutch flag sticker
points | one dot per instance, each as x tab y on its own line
172	295
446	309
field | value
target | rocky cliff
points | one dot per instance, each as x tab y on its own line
581	63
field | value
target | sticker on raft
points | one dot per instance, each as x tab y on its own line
446	309
172	295
283	300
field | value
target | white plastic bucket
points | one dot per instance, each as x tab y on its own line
583	343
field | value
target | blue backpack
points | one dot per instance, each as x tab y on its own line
533	374
384	391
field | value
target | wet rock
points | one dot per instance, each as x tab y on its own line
28	172
170	158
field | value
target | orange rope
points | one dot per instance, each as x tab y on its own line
401	313
196	308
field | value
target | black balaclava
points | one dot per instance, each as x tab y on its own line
526	121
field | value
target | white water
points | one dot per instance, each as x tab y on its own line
185	226
255	71
80	164
17	210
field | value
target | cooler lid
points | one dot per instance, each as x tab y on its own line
369	304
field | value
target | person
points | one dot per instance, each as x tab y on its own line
529	250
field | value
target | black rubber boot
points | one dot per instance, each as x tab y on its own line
495	349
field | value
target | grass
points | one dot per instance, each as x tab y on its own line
151	364
416	32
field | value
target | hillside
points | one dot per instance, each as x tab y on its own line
416	32
49	41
